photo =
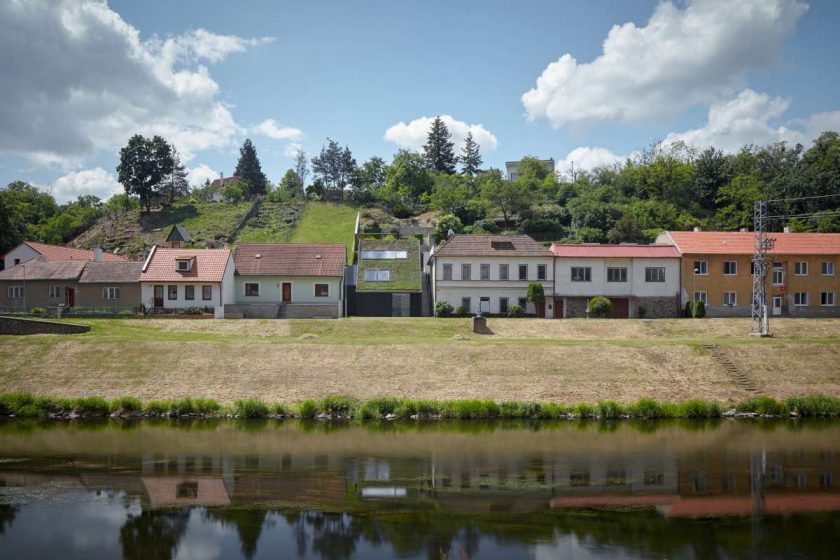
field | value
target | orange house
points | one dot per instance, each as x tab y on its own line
716	268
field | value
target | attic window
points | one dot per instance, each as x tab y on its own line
257	256
183	265
318	256
384	255
501	245
373	275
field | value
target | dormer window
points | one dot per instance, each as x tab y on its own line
183	265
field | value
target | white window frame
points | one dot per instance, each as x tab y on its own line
542	272
702	268
55	292
734	265
587	273
447	271
110	292
780	269
733	300
796	297
656	277
824	296
15	292
827	268
179	262
800	268
384	254
703	296
169	289
481	300
315	289
202	292
622	274
519	271
504	272
484	271
245	289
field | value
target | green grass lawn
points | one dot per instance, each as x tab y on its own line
327	222
205	221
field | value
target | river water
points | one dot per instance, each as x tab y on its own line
225	489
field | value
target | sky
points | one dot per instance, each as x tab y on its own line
585	83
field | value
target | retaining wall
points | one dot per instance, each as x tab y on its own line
18	325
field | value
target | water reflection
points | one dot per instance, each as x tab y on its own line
224	490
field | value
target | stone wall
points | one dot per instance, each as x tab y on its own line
655	307
17	326
304	311
254	310
575	307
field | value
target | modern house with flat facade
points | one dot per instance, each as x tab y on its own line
717	269
388	277
290	280
180	279
640	280
490	273
29	250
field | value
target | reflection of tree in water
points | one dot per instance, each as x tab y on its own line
335	535
7	516
248	523
153	534
295	520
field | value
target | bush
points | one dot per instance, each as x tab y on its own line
281	409
410	407
697	408
157	407
460	311
600	307
206	406
641	311
308	409
609	410
699	309
516	311
250	408
91	405
517	409
182	407
649	408
126	404
584	410
444	224
814	405
377	408
764	406
553	410
336	406
536	293
443	309
470	409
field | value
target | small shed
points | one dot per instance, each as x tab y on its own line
178	237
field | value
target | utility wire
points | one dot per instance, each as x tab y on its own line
803	198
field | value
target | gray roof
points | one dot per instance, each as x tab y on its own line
37	269
178	233
111	273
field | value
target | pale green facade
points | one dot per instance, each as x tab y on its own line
303	289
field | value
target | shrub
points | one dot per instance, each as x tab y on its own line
377	408
553	410
609	410
281	409
517	409
157	407
444	224
307	409
250	408
699	309
649	408
697	408
460	311
206	406
410	407
814	405
584	410
91	405
535	293
763	405
126	404
443	309
336	406
469	409
516	311
600	307
182	407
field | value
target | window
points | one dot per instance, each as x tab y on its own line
322	290
523	303
15	292
730	298
540	272
523	271
827	268
730	268
827	298
447	272
176	244
617	274
466	303
701	296
801	268
503	272
800	298
581	274
172	292
110	293
701	267
485	272
466	272
182	265
252	289
376	275
384	255
778	274
55	292
503	305
17	262
189	292
207	293
655	274
484	305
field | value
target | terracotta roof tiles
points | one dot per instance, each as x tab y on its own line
62	253
290	259
491	246
742	243
208	265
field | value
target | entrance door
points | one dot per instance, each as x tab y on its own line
621	308
558	308
541	310
777	305
71	297
158	296
287	292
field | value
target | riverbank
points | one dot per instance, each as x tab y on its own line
526	360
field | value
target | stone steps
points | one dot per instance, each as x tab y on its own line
739	376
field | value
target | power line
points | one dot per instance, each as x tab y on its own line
808	215
803	198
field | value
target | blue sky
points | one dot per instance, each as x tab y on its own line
207	74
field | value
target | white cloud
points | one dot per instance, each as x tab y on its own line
413	135
586	158
200	173
272	129
97	182
81	79
682	57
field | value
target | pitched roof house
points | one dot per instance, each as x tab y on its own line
177	237
28	250
290	279
188	278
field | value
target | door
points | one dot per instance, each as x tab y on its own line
158	296
777	305
287	292
71	297
558	308
541	309
621	308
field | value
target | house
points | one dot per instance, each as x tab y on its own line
388	279
289	280
179	279
40	283
490	273
802	280
178	237
639	280
110	285
511	167
29	250
214	193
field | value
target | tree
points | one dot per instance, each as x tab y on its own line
176	184
446	224
301	167
511	198
236	192
535	294
439	151
470	158
249	169
406	179
144	164
449	194
600	307
290	185
335	166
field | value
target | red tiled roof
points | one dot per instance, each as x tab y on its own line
491	246
290	259
209	265
742	243
62	253
614	251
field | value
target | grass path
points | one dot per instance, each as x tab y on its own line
327	222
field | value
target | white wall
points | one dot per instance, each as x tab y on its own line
635	285
22	252
147	294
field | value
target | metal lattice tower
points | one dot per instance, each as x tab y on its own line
760	318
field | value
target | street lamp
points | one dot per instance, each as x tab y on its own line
694	294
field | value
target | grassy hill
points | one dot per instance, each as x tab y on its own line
327	222
273	223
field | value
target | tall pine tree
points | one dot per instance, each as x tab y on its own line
249	169
470	158
439	151
176	184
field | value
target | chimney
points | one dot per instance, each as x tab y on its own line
97	254
697	228
787	229
744	230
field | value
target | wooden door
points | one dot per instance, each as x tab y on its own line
558	308
158	296
287	292
621	308
71	297
541	309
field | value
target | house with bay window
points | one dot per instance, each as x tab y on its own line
179	279
490	273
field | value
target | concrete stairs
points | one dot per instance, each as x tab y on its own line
741	378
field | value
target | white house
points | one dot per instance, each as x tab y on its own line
188	278
29	250
640	280
490	273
